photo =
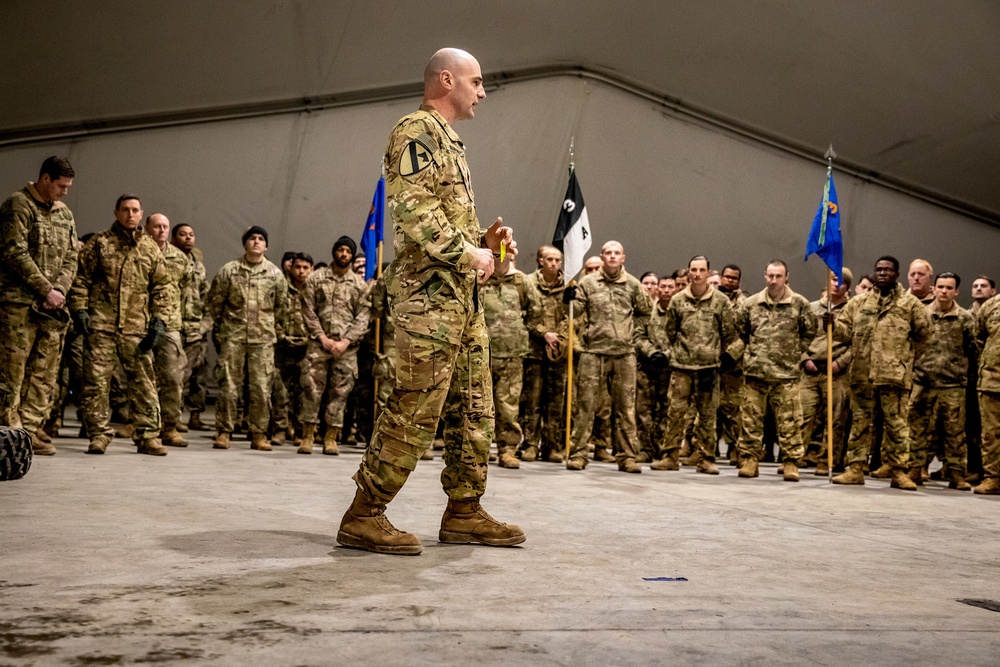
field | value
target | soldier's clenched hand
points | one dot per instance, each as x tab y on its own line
54	299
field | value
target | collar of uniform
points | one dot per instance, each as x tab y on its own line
549	287
253	268
132	235
620	278
823	302
690	295
935	310
926	300
442	122
787	298
30	187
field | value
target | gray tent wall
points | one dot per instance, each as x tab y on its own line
665	186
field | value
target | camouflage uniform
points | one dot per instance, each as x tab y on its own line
652	387
442	348
699	329
194	330
812	389
385	363
729	423
286	397
505	305
883	331
937	403
613	315
988	337
123	284
776	334
544	376
169	360
38	249
338	307
247	303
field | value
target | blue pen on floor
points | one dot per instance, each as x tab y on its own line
664	578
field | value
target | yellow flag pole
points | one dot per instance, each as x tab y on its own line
569	382
378	332
829	384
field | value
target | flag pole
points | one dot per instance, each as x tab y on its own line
378	320
569	351
829	346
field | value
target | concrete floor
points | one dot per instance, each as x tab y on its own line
229	558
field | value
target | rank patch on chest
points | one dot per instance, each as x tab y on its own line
415	158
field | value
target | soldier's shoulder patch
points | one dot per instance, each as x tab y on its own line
417	155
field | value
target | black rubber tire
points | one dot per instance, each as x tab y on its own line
15	453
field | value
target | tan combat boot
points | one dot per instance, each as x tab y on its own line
221	440
556	456
195	423
181	428
958	482
630	466
365	526
508	460
915	476
124	431
171	438
151	446
529	454
575	464
42	436
465	522
694	460
259	442
330	441
306	443
706	467
278	439
98	445
41	447
791	473
604	456
428	454
901	480
750	468
668	462
822	469
884	471
989	487
855	474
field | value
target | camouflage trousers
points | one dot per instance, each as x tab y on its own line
195	379
600	433
812	395
729	420
358	415
937	415
29	365
507	375
451	369
783	399
652	386
543	410
385	375
696	391
259	362
989	408
320	370
102	353
286	390
617	375
169	363
896	436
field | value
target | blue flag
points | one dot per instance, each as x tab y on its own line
824	237
373	235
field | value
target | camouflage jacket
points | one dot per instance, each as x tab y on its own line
37	247
612	314
429	196
382	312
546	312
776	333
182	276
193	295
657	330
505	306
122	282
337	307
950	351
698	328
247	302
884	332
817	349
988	336
737	347
296	332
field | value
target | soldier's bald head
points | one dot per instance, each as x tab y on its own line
447	59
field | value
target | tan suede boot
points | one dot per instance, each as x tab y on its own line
822	469
668	462
181	428
306	443
330	441
221	440
556	456
42	436
465	522
508	460
428	454
750	468
278	439
630	466
915	476
603	455
195	423
259	442
576	464
855	474
98	445
901	480
529	454
884	471
791	473
171	438
365	526
989	487
958	482
151	446
694	460
707	467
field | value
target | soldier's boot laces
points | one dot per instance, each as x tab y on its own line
151	446
989	487
855	474
508	460
630	466
465	522
306	443
901	480
330	441
171	438
529	454
791	473
365	526
604	456
884	471
278	439
958	482
98	445
750	468
707	467
221	440
195	423
259	442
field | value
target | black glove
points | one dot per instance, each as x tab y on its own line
157	332
81	322
569	293
727	363
659	359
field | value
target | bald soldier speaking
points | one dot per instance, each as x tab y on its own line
441	256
